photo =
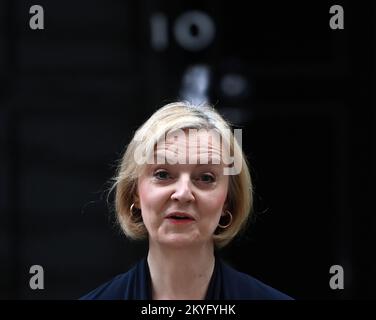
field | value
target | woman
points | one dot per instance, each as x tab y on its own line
185	185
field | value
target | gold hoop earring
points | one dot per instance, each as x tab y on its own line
227	225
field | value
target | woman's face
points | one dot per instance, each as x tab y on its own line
194	191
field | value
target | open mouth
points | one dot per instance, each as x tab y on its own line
179	218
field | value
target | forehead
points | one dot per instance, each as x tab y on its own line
191	146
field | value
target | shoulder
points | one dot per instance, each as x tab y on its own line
118	288
241	286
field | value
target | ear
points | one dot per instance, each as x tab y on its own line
136	200
226	206
136	197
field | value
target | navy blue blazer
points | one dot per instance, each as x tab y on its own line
226	283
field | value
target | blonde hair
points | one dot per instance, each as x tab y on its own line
174	116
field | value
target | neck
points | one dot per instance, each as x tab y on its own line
180	273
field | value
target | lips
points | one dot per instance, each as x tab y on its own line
179	216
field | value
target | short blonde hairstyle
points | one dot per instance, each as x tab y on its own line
174	116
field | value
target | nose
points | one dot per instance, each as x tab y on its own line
183	190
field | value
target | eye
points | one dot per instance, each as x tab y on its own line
207	178
161	174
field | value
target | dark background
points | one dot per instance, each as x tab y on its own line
72	94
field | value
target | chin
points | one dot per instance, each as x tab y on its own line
180	241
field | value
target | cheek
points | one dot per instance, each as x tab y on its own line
147	203
143	191
151	197
147	195
213	204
